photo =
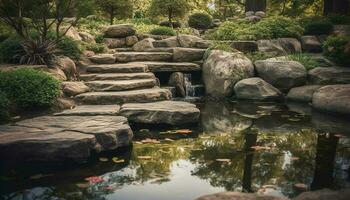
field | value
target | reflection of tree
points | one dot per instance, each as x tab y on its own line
250	140
325	157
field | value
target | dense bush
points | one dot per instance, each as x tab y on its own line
69	48
168	24
29	88
267	28
318	27
200	21
4	107
163	31
10	50
338	49
97	48
339	19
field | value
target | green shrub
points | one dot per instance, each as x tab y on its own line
267	28
339	19
163	31
10	49
306	60
97	48
168	24
318	27
29	88
337	49
4	107
99	38
200	21
69	48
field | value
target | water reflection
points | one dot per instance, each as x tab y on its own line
240	146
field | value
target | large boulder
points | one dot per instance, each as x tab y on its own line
71	33
68	66
177	80
187	41
271	48
87	37
187	54
324	194
303	93
114	42
284	75
311	44
222	70
144	45
74	88
238	196
290	45
131	40
329	75
333	98
245	46
163	112
120	31
256	89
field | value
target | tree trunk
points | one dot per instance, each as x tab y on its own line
327	7
255	5
111	19
170	18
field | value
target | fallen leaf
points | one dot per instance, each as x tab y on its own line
137	142
184	131
144	157
223	160
83	185
150	141
144	130
109	187
39	176
294	158
294	119
258	148
117	160
94	179
205	137
102	159
301	186
169	140
339	136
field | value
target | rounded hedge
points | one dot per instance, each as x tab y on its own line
4	107
337	48
163	31
29	88
200	21
10	49
318	27
69	48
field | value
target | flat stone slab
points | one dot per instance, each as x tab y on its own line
132	96
121	85
171	67
91	110
124	57
117	68
63	138
116	76
164	112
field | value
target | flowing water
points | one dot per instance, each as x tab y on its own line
267	148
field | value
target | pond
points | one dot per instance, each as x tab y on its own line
268	148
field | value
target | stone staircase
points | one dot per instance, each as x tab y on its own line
131	79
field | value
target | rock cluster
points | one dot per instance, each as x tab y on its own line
122	35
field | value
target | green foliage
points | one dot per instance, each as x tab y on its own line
97	48
338	49
29	88
169	8
306	60
339	19
318	27
200	21
258	55
172	24
4	107
9	50
116	8
69	48
99	38
268	28
163	31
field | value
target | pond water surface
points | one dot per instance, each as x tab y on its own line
267	148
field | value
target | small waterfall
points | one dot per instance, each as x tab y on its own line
190	92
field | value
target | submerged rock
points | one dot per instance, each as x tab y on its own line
177	80
256	89
222	70
163	112
303	93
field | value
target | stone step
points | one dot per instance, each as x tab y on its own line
91	110
124	57
121	85
131	96
170	66
117	68
164	112
116	76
